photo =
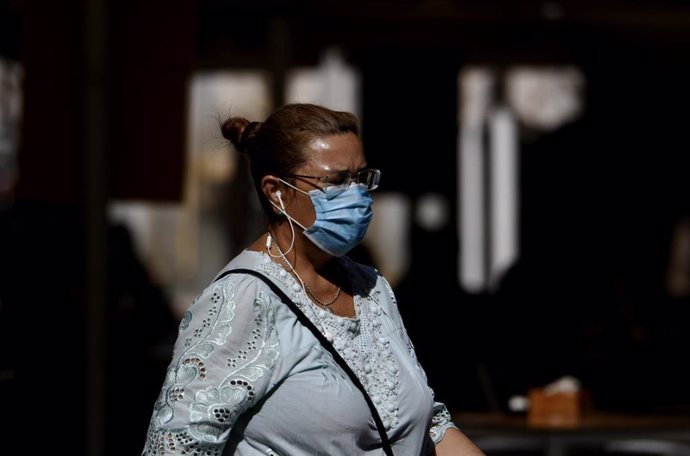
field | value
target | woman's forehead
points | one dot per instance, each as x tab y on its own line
336	152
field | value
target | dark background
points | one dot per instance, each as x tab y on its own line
104	117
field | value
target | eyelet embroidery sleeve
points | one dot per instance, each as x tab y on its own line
440	422
223	357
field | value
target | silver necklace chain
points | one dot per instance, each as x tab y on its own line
304	285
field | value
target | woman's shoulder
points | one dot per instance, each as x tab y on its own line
230	285
253	272
247	259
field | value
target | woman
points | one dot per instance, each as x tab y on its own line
247	376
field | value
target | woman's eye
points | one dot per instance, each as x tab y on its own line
338	178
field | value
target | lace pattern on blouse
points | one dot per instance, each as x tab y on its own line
361	341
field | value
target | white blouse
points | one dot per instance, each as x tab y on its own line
247	378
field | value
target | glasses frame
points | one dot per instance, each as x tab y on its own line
354	177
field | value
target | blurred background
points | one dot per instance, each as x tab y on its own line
533	216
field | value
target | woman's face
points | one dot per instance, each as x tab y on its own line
325	156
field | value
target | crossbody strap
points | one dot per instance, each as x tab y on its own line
339	359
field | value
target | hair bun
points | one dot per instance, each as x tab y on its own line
233	128
239	131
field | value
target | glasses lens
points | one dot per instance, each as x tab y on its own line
369	178
338	179
337	183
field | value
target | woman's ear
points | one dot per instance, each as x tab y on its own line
271	187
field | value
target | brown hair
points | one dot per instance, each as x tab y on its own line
276	146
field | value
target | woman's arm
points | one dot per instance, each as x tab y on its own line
455	443
224	356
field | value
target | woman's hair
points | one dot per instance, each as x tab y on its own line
276	146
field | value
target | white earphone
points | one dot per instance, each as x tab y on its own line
280	200
269	240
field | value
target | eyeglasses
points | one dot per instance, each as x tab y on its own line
335	183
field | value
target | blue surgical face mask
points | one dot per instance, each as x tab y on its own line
341	221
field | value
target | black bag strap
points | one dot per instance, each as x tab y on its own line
339	359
